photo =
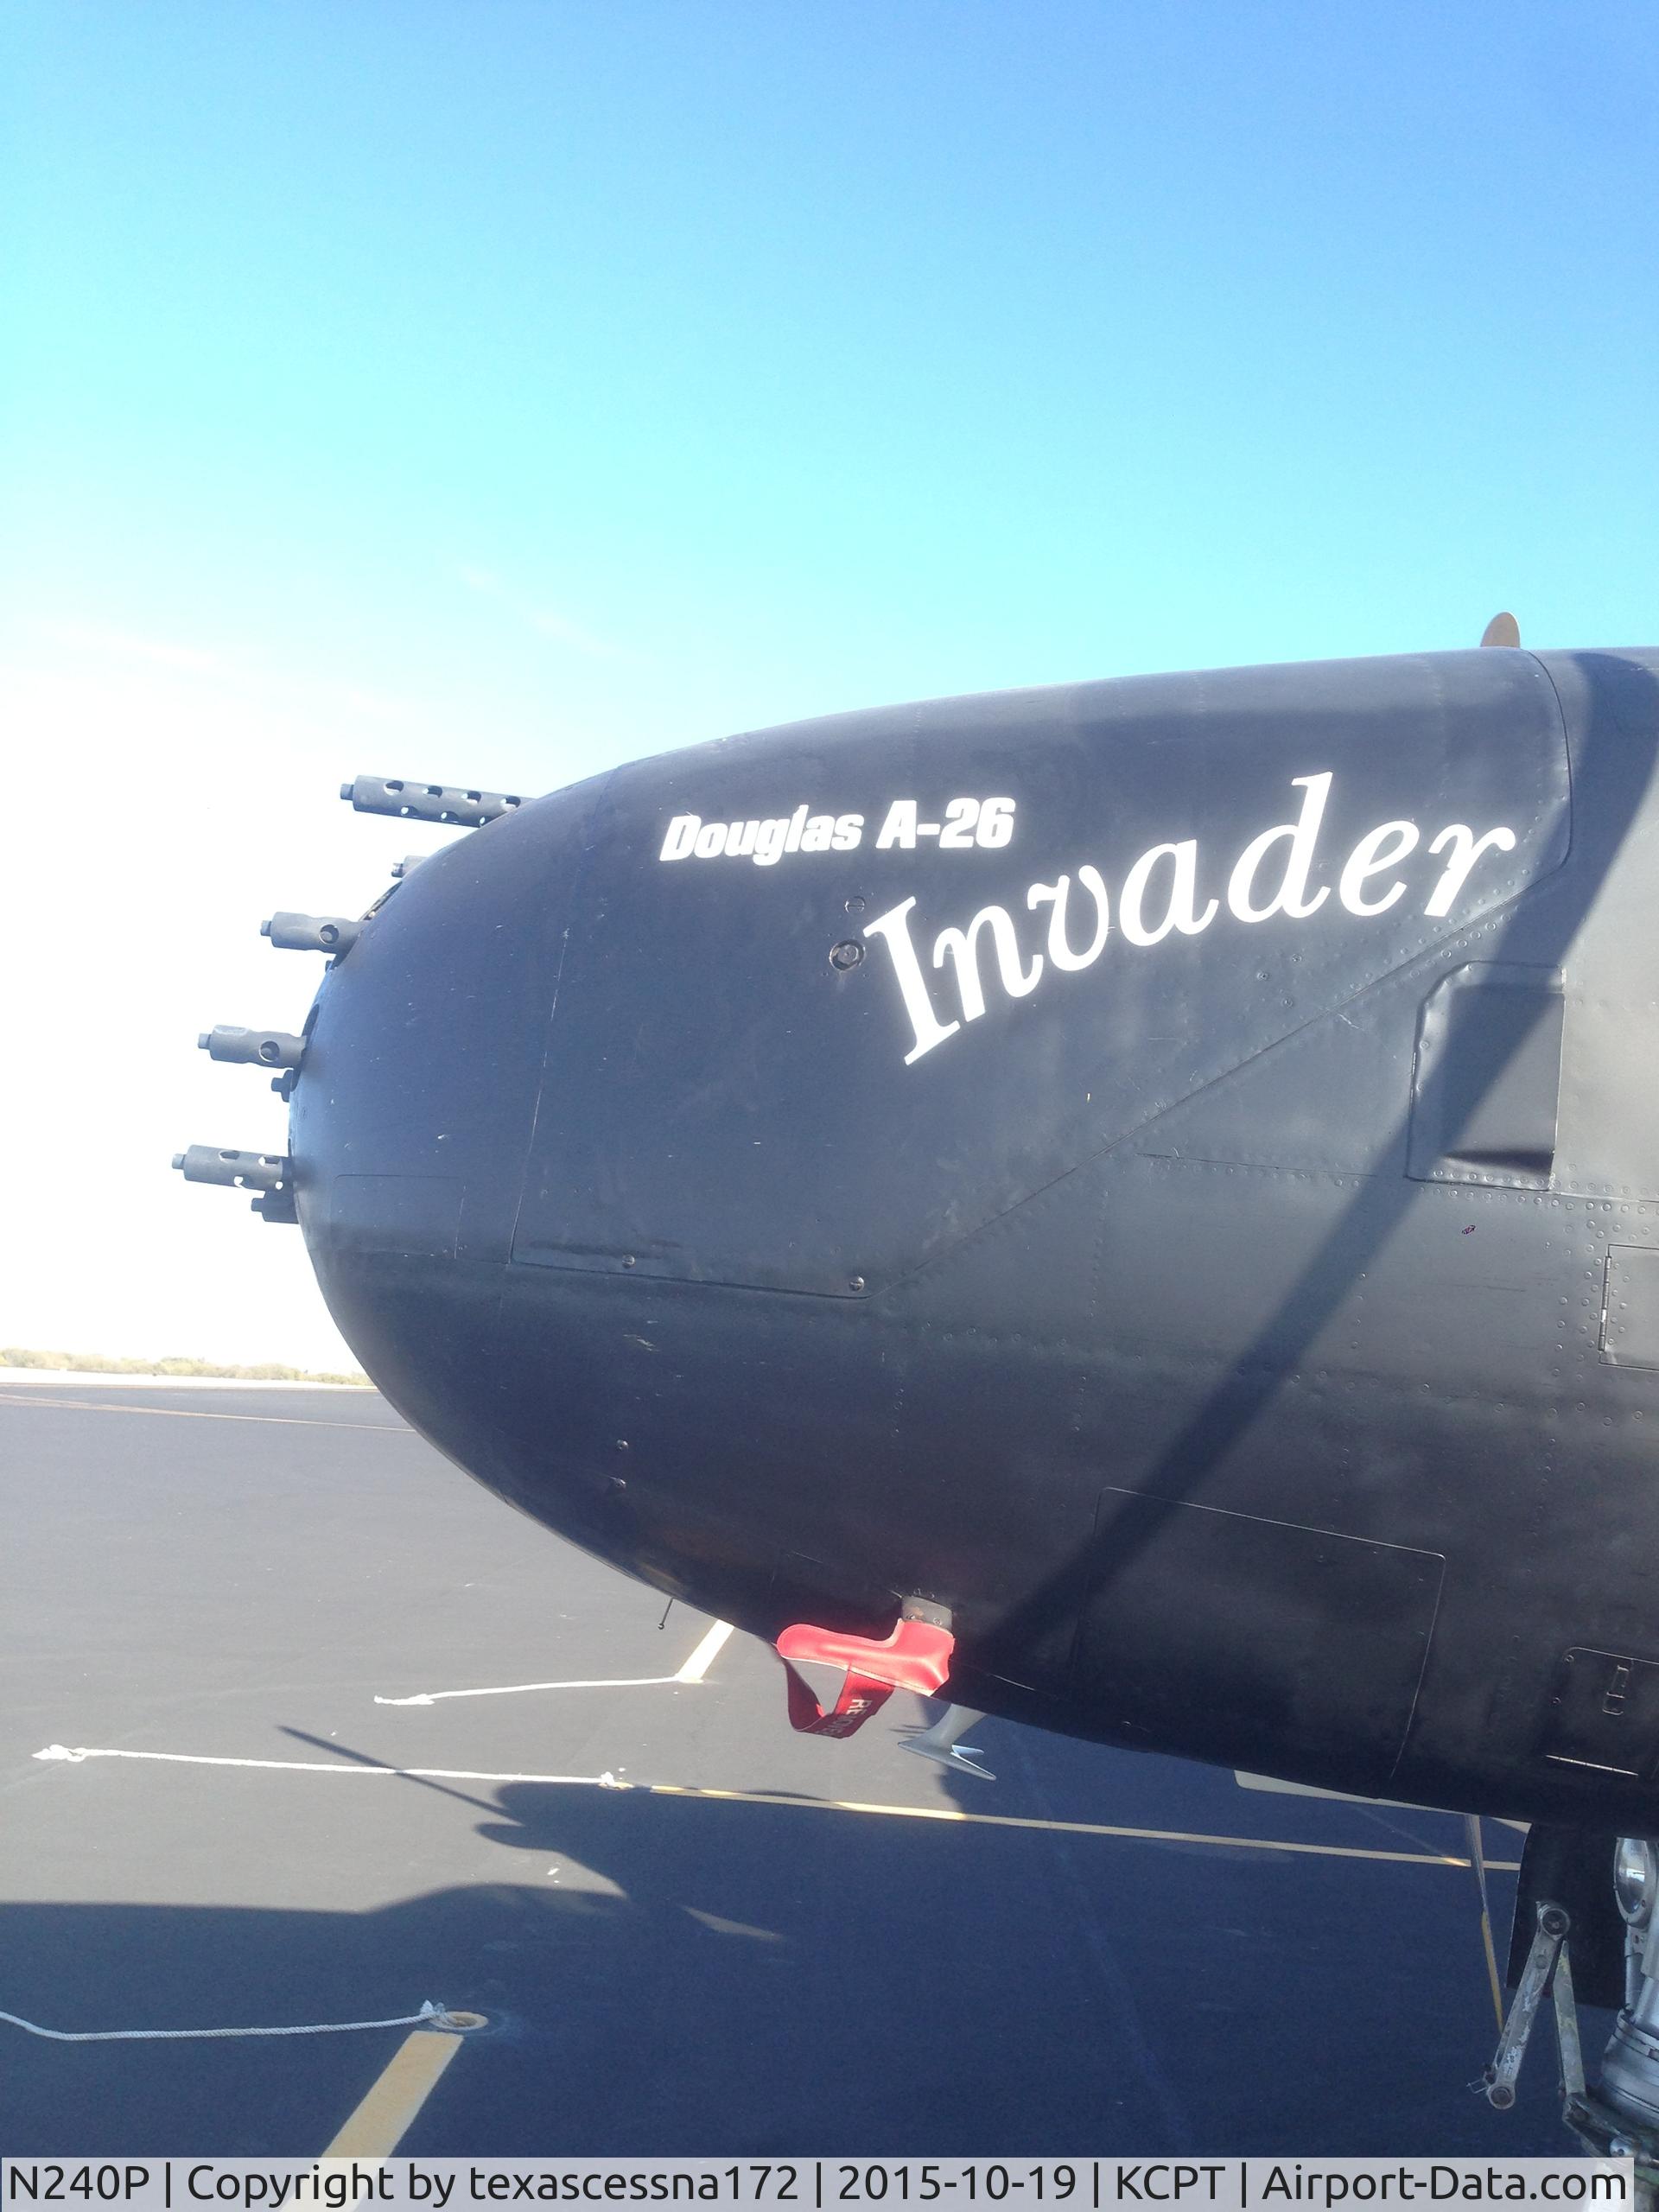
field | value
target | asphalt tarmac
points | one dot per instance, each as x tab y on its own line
799	1946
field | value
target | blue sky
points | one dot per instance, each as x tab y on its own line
495	390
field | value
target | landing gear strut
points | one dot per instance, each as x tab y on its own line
1619	2117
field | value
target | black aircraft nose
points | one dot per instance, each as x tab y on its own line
978	1155
427	1060
424	1054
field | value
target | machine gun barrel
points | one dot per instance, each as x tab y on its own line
417	802
311	932
239	1171
259	1048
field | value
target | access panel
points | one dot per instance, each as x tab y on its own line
1486	1085
1215	1628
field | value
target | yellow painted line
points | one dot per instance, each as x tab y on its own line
385	2115
1076	1827
179	1413
57	1752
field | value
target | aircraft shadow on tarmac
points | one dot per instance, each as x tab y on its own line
681	1975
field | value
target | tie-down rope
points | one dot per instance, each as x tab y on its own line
430	2016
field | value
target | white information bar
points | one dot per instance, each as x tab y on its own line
810	2185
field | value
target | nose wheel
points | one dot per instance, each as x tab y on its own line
1619	2116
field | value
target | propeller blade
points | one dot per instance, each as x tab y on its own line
1502	630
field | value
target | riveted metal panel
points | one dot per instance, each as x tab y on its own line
1630	1312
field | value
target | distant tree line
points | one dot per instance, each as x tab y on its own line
96	1362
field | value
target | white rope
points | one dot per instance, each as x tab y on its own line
605	1781
431	2015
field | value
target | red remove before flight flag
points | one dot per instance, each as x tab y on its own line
916	1657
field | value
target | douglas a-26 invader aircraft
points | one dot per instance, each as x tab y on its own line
1133	1206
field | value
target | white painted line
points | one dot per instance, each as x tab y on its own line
695	1667
517	1689
195	1413
704	1657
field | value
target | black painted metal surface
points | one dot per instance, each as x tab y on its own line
1135	1163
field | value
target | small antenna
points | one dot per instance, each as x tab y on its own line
1502	630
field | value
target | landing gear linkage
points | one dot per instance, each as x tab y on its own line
1619	2118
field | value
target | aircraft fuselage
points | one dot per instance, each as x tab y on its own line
1167	1169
